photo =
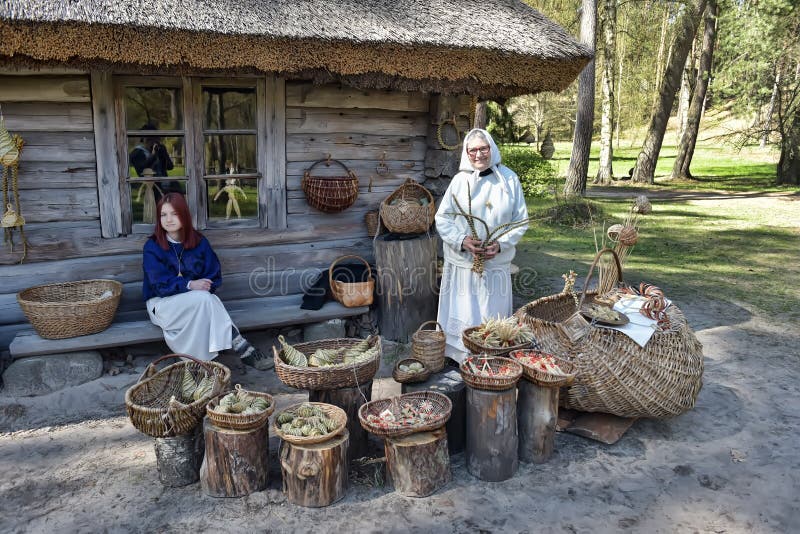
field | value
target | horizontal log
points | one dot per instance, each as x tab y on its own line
42	205
380	122
56	175
69	147
306	94
304	147
44	89
365	201
48	116
363	168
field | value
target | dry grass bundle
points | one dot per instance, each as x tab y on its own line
624	236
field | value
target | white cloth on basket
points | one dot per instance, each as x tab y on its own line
194	323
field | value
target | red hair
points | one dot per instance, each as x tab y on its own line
191	237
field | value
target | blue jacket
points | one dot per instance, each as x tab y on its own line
161	268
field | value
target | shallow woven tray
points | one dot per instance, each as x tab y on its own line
442	407
405	377
331	376
70	309
477	348
237	421
148	401
540	377
334	412
492	383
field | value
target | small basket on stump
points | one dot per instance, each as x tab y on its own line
238	421
409	209
408	377
330	194
501	373
476	348
428	346
153	405
71	309
333	412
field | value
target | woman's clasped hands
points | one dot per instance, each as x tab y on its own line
476	248
201	284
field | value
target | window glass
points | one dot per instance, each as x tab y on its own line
230	154
155	156
232	199
145	196
157	108
229	109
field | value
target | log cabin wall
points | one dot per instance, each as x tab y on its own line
59	189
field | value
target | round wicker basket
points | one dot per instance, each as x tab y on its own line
407	215
334	412
476	348
537	376
237	421
71	309
436	405
405	377
492	383
428	346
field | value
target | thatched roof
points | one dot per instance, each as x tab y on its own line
485	47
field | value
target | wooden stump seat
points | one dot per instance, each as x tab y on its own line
236	461
315	475
419	464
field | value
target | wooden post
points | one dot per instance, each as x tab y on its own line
236	462
418	464
538	413
178	459
315	475
492	434
349	400
407	284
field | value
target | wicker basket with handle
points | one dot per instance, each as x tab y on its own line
428	346
352	294
330	194
402	212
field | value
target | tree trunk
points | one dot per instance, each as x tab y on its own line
771	110
236	461
537	408
687	24
686	147
618	93
685	93
315	475
178	458
660	61
349	400
418	464
605	171
480	115
492	440
582	141
789	163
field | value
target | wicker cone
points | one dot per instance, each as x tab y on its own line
70	309
408	216
342	375
440	408
149	402
428	346
334	412
404	377
492	383
330	194
614	374
237	421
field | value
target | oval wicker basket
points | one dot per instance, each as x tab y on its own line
405	377
540	377
342	375
237	421
439	408
492	383
330	194
149	404
408	216
476	348
70	309
428	346
334	412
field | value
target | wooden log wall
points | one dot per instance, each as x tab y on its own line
59	190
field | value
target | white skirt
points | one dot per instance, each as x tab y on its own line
466	299
194	323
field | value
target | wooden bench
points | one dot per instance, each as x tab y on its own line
130	328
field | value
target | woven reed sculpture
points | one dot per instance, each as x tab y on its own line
10	151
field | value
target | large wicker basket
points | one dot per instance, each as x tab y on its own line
407	215
334	412
342	375
614	374
330	194
438	407
71	309
153	403
428	346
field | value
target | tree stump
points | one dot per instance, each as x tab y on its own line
418	464
407	284
537	416
492	434
178	459
315	475
236	462
450	383
349	400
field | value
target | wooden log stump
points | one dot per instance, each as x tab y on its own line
178	459
236	462
418	464
492	439
537	408
450	383
407	284
349	400
315	475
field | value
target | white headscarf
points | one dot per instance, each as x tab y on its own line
494	158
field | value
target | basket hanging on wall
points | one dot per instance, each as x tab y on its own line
330	194
10	151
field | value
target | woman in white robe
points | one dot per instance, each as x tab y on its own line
466	298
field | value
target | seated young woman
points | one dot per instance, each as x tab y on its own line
181	274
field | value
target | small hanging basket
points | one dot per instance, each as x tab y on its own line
409	209
330	194
428	346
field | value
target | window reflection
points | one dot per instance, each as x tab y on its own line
229	109
145	196
159	107
232	198
230	154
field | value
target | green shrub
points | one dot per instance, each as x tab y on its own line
538	176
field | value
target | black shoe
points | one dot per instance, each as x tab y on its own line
255	358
